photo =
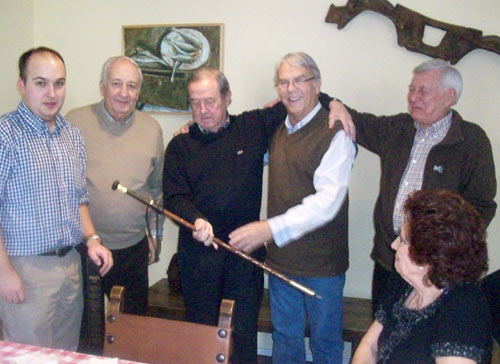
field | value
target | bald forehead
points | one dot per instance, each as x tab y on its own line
205	80
36	58
123	61
124	64
203	76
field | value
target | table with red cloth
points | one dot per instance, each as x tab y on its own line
10	351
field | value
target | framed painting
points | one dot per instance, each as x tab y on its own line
167	56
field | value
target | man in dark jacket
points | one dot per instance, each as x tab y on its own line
428	147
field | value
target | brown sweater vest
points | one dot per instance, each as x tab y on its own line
293	161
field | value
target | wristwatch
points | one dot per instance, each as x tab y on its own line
91	237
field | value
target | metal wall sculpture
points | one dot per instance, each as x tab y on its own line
410	25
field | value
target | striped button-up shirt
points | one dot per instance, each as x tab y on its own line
425	139
42	183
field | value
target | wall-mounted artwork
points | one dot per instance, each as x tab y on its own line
410	26
167	55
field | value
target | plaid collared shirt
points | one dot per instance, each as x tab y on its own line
424	140
42	183
111	119
226	124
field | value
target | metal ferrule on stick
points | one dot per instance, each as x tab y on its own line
117	186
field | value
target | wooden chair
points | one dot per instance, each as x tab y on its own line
92	327
495	356
162	341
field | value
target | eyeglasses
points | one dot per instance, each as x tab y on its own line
296	82
196	103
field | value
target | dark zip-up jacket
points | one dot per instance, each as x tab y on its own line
461	162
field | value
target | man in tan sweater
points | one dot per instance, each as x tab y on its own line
126	144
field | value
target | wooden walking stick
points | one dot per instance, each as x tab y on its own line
117	186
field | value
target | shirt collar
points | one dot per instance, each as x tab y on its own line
293	128
111	119
436	130
38	123
226	124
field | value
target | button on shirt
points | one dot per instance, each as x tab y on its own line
42	183
424	140
330	180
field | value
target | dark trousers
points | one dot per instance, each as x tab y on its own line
381	279
130	270
208	276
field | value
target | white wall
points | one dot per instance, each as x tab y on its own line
361	64
16	32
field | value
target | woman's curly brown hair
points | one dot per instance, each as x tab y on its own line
447	234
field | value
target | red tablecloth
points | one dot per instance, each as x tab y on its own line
12	350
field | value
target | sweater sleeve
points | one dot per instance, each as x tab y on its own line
463	326
480	183
154	182
177	194
269	118
371	130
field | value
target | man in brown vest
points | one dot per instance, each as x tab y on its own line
309	170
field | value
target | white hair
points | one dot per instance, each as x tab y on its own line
107	65
450	76
298	59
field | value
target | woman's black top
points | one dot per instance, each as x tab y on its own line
457	323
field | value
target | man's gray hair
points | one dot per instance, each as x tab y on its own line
107	65
214	73
450	76
298	59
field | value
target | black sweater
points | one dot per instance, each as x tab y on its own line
218	176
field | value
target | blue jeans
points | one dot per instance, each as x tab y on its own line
288	313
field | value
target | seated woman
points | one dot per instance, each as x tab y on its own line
438	313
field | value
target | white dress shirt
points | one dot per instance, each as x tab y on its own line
330	181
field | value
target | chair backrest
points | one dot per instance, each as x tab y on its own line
92	327
155	340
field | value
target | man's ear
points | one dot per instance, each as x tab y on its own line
317	84
21	86
101	88
451	96
228	98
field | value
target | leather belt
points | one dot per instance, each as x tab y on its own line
59	252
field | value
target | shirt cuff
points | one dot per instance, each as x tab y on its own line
156	234
278	228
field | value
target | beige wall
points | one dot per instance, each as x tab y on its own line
361	64
16	32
